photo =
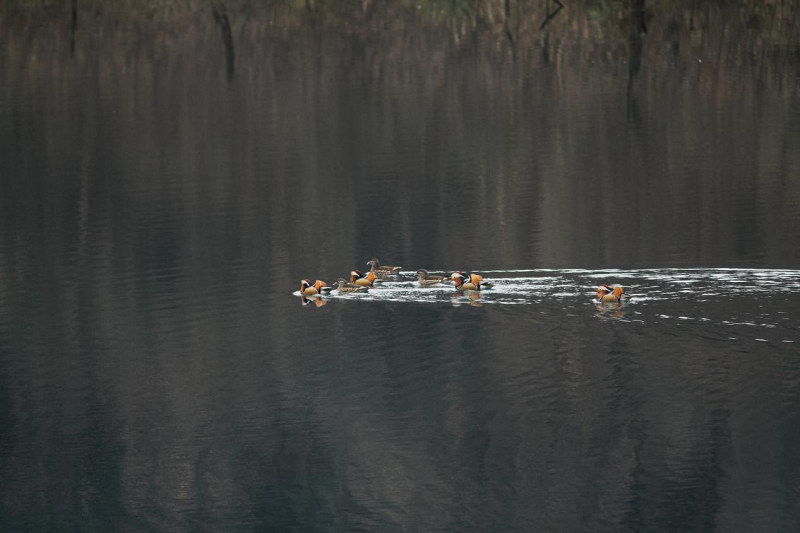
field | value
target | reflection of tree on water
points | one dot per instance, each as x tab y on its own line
549	16
636	29
546	40
221	18
397	74
73	26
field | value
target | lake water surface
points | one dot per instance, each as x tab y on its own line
163	191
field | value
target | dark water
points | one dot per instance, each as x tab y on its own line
163	191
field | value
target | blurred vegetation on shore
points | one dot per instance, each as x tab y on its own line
387	38
497	22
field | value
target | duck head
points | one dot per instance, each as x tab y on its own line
422	274
355	274
374	262
458	278
602	290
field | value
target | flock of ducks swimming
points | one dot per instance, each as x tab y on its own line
360	282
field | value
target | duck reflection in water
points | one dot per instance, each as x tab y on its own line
316	300
610	310
472	298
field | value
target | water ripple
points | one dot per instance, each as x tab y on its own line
686	296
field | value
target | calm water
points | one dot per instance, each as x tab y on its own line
163	190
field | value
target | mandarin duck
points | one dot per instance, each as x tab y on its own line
608	295
359	278
469	282
319	287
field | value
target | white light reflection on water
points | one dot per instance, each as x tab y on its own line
698	296
641	285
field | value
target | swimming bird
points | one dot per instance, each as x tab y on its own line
358	277
469	282
319	287
382	270
343	287
608	295
426	280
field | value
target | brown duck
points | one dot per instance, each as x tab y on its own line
426	280
342	286
382	270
